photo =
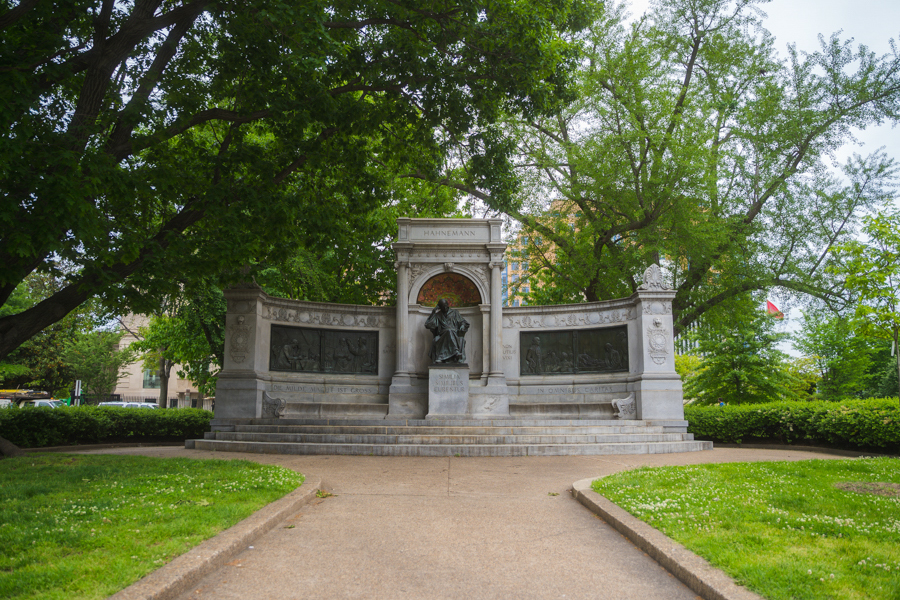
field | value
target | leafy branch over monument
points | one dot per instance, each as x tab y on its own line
693	144
149	143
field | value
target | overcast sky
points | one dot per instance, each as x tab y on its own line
869	22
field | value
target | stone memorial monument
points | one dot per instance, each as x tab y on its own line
449	349
448	375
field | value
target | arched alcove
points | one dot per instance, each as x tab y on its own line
455	287
469	273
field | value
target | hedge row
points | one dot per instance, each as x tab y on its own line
39	427
871	424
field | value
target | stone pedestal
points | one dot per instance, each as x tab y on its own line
448	391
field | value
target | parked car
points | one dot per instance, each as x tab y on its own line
42	404
129	404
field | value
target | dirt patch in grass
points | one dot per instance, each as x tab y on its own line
891	490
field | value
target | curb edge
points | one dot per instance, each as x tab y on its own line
695	572
184	571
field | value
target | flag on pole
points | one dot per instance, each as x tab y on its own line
773	310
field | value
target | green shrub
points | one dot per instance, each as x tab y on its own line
870	424
39	427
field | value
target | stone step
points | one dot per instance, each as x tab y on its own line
471	430
478	440
511	422
471	450
336	410
563	410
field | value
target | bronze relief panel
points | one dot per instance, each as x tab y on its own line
306	350
601	350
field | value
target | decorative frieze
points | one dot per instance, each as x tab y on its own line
444	255
336	319
619	315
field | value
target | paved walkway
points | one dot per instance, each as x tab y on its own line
449	528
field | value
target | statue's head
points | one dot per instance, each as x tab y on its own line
443	305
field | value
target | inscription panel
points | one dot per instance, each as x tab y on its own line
302	389
449	233
602	350
304	350
449	383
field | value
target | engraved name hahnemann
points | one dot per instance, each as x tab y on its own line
450	233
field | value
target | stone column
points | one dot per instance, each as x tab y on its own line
496	330
402	319
406	399
657	387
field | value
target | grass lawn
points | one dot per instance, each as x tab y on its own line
817	529
86	526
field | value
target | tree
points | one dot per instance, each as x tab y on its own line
97	361
39	362
693	145
841	356
187	330
805	377
872	271
149	143
350	261
741	363
884	381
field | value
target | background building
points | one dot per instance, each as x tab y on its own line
142	385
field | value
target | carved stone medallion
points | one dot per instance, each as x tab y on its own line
240	341
657	342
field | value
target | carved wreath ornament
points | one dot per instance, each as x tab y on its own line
657	341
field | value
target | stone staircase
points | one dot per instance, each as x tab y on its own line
500	437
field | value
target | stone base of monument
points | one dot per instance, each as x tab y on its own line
560	410
449	437
488	400
448	391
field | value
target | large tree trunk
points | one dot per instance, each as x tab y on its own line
7	448
18	328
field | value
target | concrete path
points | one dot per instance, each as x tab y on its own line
449	528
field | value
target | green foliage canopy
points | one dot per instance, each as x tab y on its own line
148	143
38	363
694	145
741	363
872	271
97	361
841	355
